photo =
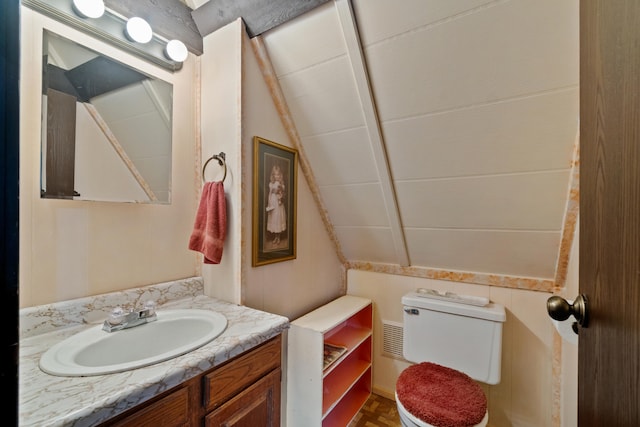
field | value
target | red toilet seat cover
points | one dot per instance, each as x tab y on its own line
441	396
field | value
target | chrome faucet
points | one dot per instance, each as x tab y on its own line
119	319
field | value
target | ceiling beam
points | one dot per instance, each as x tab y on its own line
372	122
258	15
101	75
170	19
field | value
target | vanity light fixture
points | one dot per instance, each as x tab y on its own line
176	51
89	8
138	30
97	19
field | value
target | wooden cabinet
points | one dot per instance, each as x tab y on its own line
329	396
242	392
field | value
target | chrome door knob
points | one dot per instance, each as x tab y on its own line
560	309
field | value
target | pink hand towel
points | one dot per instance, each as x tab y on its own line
210	228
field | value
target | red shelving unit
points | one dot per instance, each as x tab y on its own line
330	396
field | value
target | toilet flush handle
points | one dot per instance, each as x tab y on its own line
411	310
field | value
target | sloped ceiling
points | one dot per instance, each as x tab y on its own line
440	134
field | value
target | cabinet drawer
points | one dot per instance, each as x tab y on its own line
236	375
169	411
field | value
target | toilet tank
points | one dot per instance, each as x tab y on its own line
464	337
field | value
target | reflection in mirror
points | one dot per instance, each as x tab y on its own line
106	128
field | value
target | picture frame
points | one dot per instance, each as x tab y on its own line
275	186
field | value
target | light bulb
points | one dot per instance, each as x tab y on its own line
176	51
89	8
138	30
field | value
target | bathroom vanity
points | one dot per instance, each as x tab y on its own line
245	389
236	375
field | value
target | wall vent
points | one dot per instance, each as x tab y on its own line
392	333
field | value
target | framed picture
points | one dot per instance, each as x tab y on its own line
274	202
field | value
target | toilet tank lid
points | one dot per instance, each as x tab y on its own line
492	311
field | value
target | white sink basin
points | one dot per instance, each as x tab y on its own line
96	352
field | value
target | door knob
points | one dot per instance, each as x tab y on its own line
560	309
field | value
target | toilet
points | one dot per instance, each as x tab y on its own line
452	341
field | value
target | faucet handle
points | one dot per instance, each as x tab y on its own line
116	316
150	307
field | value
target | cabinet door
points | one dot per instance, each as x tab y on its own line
257	406
169	411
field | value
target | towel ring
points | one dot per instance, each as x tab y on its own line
221	161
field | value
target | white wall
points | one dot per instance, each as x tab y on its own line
221	126
290	288
236	106
71	249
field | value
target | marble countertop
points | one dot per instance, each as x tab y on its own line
47	400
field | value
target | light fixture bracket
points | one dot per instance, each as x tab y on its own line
109	28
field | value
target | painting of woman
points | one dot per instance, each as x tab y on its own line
276	212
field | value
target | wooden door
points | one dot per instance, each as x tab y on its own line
609	347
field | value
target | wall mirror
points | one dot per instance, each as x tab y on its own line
106	127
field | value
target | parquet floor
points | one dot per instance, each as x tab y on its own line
378	411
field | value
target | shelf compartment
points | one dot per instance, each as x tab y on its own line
350	404
348	336
352	329
354	342
345	374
